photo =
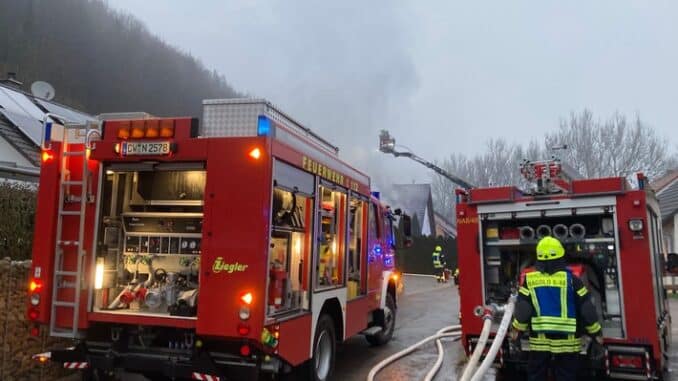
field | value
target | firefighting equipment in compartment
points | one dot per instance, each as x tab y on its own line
549	249
276	287
526	233
577	231
135	290
286	212
543	231
560	231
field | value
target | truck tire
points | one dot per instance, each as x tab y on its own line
321	365
388	326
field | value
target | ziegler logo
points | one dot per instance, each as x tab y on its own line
219	266
467	220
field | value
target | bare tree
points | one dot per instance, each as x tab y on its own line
614	147
497	166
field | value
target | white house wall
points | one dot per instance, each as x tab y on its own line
9	154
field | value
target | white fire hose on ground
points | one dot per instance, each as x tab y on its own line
480	346
455	335
498	339
451	331
454	332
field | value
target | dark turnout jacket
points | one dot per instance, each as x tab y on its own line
550	339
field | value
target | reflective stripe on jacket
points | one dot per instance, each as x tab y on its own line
436	260
571	302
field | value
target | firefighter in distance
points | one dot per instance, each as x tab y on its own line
556	307
439	264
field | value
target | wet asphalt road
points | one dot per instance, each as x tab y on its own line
424	308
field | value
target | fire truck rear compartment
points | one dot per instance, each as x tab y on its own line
509	248
149	246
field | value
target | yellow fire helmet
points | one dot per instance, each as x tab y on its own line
549	249
438	248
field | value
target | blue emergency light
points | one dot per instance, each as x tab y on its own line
263	126
47	138
376	195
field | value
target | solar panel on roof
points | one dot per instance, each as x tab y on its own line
22	112
71	115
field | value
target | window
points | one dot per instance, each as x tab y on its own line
331	238
290	243
356	246
372	223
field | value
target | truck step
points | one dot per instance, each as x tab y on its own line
72	182
372	331
66	273
68	243
74	153
70	213
61	303
65	333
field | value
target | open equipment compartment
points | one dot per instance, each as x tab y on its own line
590	243
151	222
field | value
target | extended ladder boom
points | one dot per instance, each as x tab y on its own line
387	145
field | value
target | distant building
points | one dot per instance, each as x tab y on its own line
415	200
21	116
444	228
667	192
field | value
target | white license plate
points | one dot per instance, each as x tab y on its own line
146	148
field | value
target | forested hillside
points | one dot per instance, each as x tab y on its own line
101	60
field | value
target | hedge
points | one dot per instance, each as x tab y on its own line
17	213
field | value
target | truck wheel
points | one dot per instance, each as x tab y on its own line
324	350
388	326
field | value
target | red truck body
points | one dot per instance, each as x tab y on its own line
222	250
617	249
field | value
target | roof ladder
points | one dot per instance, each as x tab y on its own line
65	277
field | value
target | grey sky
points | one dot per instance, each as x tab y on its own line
442	76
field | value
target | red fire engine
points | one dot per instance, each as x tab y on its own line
240	246
612	235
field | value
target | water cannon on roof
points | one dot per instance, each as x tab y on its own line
388	145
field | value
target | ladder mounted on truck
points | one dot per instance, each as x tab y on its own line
387	145
65	276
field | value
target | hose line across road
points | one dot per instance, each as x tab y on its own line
454	331
423	309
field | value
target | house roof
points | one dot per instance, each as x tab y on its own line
445	225
414	199
21	116
19	141
668	200
664	181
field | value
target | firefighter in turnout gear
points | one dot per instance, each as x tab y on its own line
556	307
439	264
